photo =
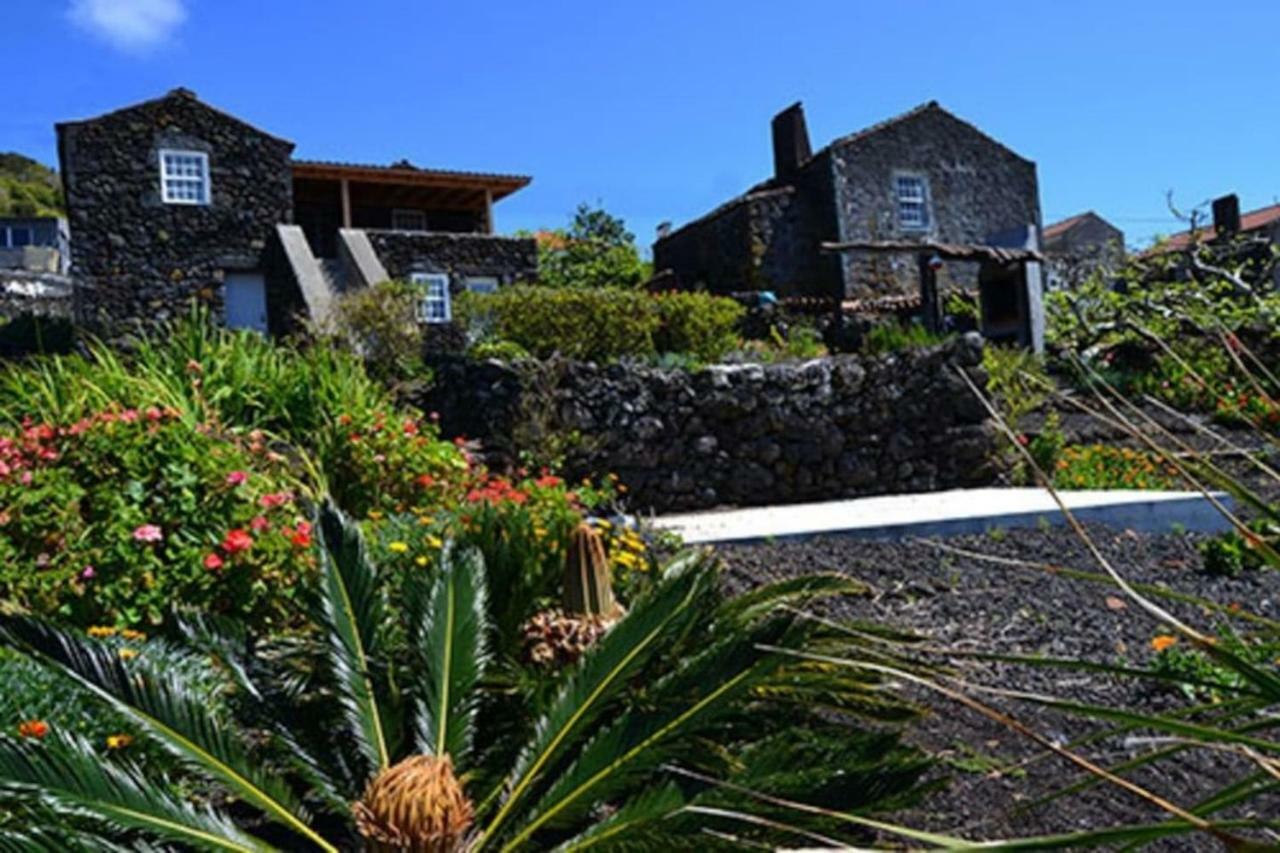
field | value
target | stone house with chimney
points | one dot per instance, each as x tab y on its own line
1079	246
172	200
924	176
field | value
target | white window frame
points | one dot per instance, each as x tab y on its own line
399	214
482	283
203	182
911	201
435	287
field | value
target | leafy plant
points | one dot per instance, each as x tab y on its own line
423	705
893	336
380	324
1102	466
1233	553
596	250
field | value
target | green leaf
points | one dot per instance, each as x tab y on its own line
448	634
353	611
65	774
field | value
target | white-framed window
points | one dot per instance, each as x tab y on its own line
184	177
434	307
481	284
408	220
913	202
16	236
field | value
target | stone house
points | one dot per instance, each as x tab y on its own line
924	176
1077	247
172	200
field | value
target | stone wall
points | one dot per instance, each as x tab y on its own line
509	259
740	434
139	260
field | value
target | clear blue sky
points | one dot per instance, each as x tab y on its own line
660	110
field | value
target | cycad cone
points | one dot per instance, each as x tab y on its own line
416	806
588	589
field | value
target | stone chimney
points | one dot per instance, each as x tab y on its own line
1226	215
790	142
664	229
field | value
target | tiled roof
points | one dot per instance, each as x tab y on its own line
1251	221
1062	227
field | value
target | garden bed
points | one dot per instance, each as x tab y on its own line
964	603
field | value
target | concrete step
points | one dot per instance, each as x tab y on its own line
949	513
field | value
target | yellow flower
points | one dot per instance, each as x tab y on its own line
375	514
603	525
127	653
398	547
434	541
424	520
422	560
118	741
130	634
102	631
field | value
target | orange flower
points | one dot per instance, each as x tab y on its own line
33	728
1162	642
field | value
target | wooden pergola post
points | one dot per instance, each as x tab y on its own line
488	211
346	202
929	292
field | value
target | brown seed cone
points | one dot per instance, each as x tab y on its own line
416	806
556	638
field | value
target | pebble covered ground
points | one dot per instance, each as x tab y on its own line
962	600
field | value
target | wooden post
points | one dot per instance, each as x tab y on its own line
929	294
346	203
488	211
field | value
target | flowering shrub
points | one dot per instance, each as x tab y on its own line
116	517
1100	466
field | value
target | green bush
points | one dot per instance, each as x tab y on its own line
1233	553
897	337
380	324
500	350
603	324
596	250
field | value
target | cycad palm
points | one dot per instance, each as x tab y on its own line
364	754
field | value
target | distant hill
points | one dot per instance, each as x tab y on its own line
28	188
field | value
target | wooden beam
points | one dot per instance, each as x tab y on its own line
488	211
346	203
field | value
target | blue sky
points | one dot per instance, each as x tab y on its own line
660	110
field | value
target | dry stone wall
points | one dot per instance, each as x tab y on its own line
738	434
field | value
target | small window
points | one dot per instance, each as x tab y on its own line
434	306
913	205
184	177
481	284
408	220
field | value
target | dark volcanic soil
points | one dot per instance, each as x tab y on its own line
966	603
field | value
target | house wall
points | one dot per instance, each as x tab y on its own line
976	188
139	260
712	253
510	259
1075	254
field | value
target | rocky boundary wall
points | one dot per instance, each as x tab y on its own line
735	434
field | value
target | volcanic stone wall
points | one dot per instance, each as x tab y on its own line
139	260
509	259
738	434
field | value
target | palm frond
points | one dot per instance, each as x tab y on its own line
448	635
602	674
353	612
165	709
764	599
65	775
632	825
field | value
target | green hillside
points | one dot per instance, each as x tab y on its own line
28	188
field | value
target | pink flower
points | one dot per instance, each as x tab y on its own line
259	523
26	478
236	541
148	533
212	562
235	478
88	573
274	500
129	415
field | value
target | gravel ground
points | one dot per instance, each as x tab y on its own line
962	602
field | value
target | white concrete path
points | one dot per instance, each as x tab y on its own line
948	513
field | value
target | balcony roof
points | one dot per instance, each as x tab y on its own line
408	175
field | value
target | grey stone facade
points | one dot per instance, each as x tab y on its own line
742	434
509	259
140	260
1080	246
769	238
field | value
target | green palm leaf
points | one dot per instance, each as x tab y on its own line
165	709
649	629
448	633
353	608
629	827
65	775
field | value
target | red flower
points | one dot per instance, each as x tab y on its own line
212	562
302	536
274	499
426	481
548	481
259	523
33	728
236	541
410	427
236	478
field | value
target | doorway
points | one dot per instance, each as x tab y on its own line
246	301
